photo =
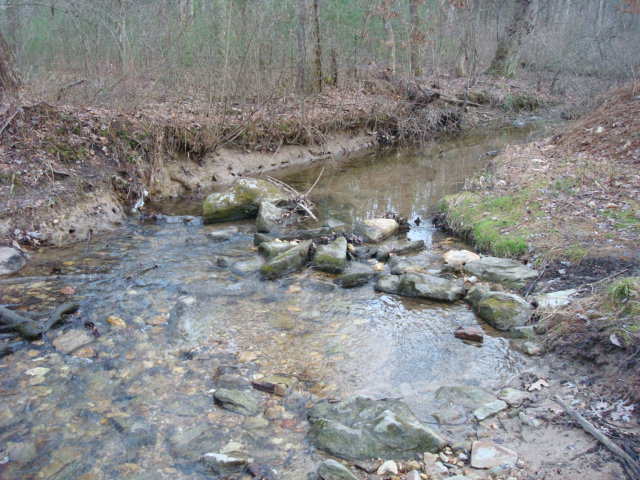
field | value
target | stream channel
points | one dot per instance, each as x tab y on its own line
136	402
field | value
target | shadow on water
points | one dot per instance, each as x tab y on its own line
137	400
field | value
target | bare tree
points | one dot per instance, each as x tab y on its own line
10	79
416	37
508	52
318	45
301	35
388	15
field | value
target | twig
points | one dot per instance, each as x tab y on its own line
67	87
629	462
533	284
6	124
56	315
315	183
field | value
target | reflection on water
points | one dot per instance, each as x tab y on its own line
136	402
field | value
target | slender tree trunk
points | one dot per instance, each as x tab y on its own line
387	16
301	35
318	45
508	52
416	37
10	79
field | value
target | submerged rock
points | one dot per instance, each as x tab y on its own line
361	428
289	261
504	310
466	395
376	229
239	401
332	470
11	260
273	248
71	341
241	200
501	270
269	217
474	334
388	284
222	464
355	275
485	454
383	252
422	285
332	257
221	234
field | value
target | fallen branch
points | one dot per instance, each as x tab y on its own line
6	124
19	324
56	315
299	201
629	462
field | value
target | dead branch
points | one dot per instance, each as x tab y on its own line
56	315
629	462
19	324
298	200
6	124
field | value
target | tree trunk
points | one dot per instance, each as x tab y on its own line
301	35
318	45
508	52
416	37
387	16
10	79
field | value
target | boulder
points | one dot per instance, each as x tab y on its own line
222	464
504	310
332	257
239	401
355	275
399	248
273	249
241	200
388	284
11	260
332	470
376	229
269	217
360	428
475	294
459	258
422	285
287	262
501	270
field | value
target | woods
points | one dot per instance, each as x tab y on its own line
134	50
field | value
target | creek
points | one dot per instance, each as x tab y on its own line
136	402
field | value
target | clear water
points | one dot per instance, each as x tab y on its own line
189	320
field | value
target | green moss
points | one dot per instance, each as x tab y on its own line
575	253
68	153
518	102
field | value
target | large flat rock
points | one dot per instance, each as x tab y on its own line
501	270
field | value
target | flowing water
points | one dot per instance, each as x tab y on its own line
136	402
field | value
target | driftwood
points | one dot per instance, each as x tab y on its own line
629	462
27	328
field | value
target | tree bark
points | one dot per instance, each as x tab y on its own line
301	35
508	52
416	37
10	79
318	45
387	16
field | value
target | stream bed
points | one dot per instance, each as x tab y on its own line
187	315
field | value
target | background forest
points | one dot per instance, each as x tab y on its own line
120	52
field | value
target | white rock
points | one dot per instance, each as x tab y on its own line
37	372
485	454
458	258
388	467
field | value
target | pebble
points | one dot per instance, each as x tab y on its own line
246	356
37	372
72	340
413	475
529	420
489	409
512	396
116	322
388	467
531	348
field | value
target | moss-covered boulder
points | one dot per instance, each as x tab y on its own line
270	218
287	262
241	200
332	257
273	249
422	285
356	274
504	310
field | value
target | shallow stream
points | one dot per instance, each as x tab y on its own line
136	402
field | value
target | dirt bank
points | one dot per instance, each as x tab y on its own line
68	172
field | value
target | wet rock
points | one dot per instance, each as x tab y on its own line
388	284
388	467
459	258
485	454
467	396
553	300
499	470
269	218
398	265
242	200
11	260
20	452
413	475
192	442
421	285
332	470
238	401
72	340
356	274
116	322
531	348
449	416
255	423
475	294
221	234
368	466
512	396
501	270
331	258
273	248
252	265
489	409
7	417
222	464
361	428
474	334
274	384
527	331
398	248
311	234
287	262
136	432
504	310
376	229
178	219
259	238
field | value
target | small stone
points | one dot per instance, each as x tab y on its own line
429	458
485	454
274	413
72	340
222	464
512	396
459	258
449	416
531	348
85	352
67	290
529	420
237	401
20	452
526	331
388	467
368	466
246	356
413	475
232	447
157	320
255	423
489	409
499	470
11	260
475	334
116	322
332	470
37	371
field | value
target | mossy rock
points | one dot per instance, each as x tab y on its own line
287	262
504	310
331	258
242	200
